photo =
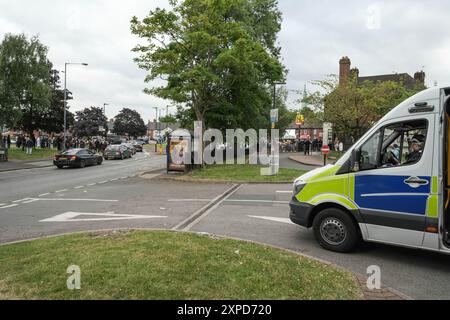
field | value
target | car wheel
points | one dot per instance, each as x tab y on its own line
99	162
60	167
335	230
82	164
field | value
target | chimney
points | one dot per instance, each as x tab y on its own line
344	70
420	77
354	73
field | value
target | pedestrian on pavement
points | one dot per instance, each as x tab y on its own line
8	142
307	146
29	146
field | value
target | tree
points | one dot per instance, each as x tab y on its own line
168	119
218	58
353	108
129	122
53	119
89	121
25	72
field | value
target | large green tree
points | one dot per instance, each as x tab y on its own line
52	120
25	73
89	121
218	58
352	108
129	122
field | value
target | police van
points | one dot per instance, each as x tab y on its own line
392	186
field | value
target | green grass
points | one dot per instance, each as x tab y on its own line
164	265
250	173
336	155
18	154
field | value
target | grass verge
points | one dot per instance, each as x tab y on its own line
165	265
17	154
243	173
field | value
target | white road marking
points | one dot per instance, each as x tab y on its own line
112	180
258	201
91	184
10	206
59	191
124	178
103	182
275	219
44	194
62	199
30	201
189	200
21	200
79	187
108	216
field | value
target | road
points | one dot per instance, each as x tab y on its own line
47	201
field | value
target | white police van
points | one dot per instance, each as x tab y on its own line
392	186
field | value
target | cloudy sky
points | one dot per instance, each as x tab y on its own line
379	36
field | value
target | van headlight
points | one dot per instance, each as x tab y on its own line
298	187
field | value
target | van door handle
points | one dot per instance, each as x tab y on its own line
416	182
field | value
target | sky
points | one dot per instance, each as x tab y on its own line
380	37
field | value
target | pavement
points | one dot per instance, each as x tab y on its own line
14	165
132	194
314	160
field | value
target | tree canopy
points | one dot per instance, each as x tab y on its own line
218	58
89	121
25	73
352	108
129	122
52	119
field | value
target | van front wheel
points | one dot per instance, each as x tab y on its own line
335	230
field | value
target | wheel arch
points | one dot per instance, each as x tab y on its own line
353	214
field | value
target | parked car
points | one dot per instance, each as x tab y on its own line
77	158
138	146
130	147
117	151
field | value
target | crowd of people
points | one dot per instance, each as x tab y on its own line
27	143
307	146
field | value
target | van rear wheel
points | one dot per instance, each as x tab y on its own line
335	230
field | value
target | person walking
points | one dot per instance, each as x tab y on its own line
8	142
29	146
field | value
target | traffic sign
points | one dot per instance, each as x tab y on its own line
325	150
299	120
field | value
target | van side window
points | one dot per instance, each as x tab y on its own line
399	144
369	153
403	143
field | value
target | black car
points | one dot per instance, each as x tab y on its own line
77	158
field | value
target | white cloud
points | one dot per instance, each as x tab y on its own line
315	34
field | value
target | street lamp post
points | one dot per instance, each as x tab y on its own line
156	125
104	108
65	98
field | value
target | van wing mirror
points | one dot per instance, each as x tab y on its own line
355	160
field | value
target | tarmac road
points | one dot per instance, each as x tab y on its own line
47	201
